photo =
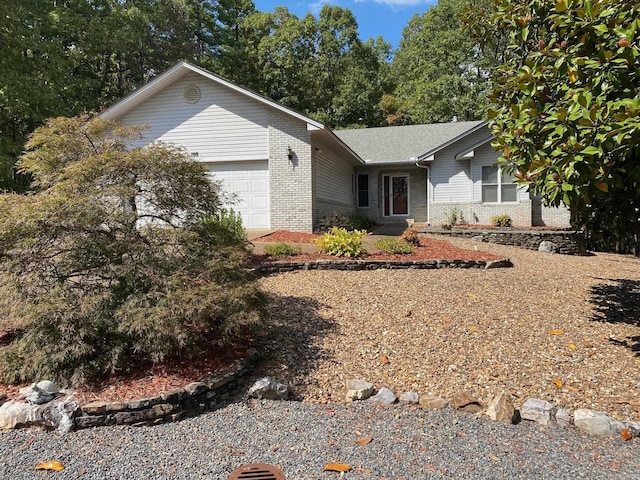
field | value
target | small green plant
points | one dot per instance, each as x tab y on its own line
501	220
451	219
281	249
227	226
342	242
411	236
394	246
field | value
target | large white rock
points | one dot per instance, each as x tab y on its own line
538	411
269	389
384	397
596	423
18	414
358	390
409	397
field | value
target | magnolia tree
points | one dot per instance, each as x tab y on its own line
566	105
118	255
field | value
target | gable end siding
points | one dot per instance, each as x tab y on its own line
222	126
333	183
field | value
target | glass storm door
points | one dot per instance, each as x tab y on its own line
396	194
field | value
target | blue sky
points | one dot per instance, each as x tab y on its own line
375	17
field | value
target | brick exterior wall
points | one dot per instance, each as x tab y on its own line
480	213
290	181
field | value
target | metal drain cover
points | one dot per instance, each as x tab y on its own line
256	471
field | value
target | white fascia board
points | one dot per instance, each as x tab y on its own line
470	152
428	156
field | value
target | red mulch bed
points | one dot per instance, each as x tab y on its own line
429	249
146	381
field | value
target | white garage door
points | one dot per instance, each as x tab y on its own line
249	181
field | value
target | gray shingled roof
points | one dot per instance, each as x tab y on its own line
401	144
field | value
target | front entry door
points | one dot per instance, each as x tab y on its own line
396	195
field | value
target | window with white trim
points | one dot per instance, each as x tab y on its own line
498	186
363	190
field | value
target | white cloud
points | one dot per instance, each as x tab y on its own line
315	7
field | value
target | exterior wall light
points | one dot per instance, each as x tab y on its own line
289	153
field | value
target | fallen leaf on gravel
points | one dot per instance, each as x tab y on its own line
363	440
408	314
337	467
384	359
573	389
556	332
52	465
473	328
557	382
462	434
572	346
275	448
446	319
493	457
626	434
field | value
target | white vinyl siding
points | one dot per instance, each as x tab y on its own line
222	125
450	180
248	182
333	178
485	156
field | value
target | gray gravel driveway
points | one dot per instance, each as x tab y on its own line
408	443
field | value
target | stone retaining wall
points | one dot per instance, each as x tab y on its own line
567	242
281	267
172	405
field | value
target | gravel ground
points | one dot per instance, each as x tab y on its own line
301	438
483	331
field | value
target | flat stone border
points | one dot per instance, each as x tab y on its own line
271	268
568	242
172	405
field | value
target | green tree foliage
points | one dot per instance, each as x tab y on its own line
566	107
318	66
120	255
64	57
440	71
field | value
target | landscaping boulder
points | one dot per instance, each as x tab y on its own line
41	392
269	389
409	397
596	423
433	402
547	247
466	403
59	414
564	418
501	409
384	397
538	411
358	390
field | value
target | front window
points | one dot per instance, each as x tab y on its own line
363	190
498	186
395	189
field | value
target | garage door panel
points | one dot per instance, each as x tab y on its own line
249	182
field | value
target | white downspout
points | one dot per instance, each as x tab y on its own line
426	167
